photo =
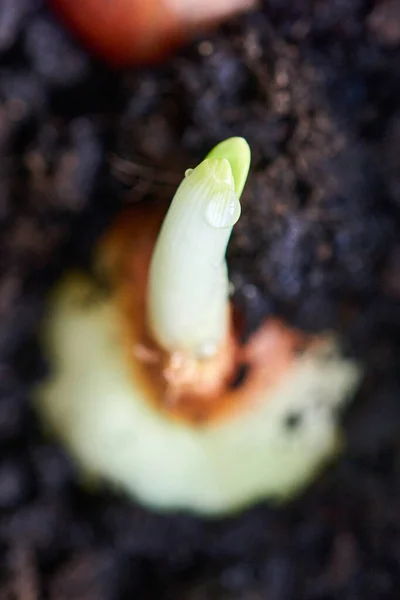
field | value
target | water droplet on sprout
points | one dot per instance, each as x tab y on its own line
207	350
223	210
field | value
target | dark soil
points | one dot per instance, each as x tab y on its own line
314	86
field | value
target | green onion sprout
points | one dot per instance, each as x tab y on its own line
188	284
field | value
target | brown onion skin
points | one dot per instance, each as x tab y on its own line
123	32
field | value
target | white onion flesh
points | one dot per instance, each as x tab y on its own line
92	402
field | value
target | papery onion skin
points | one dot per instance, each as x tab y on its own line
132	32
